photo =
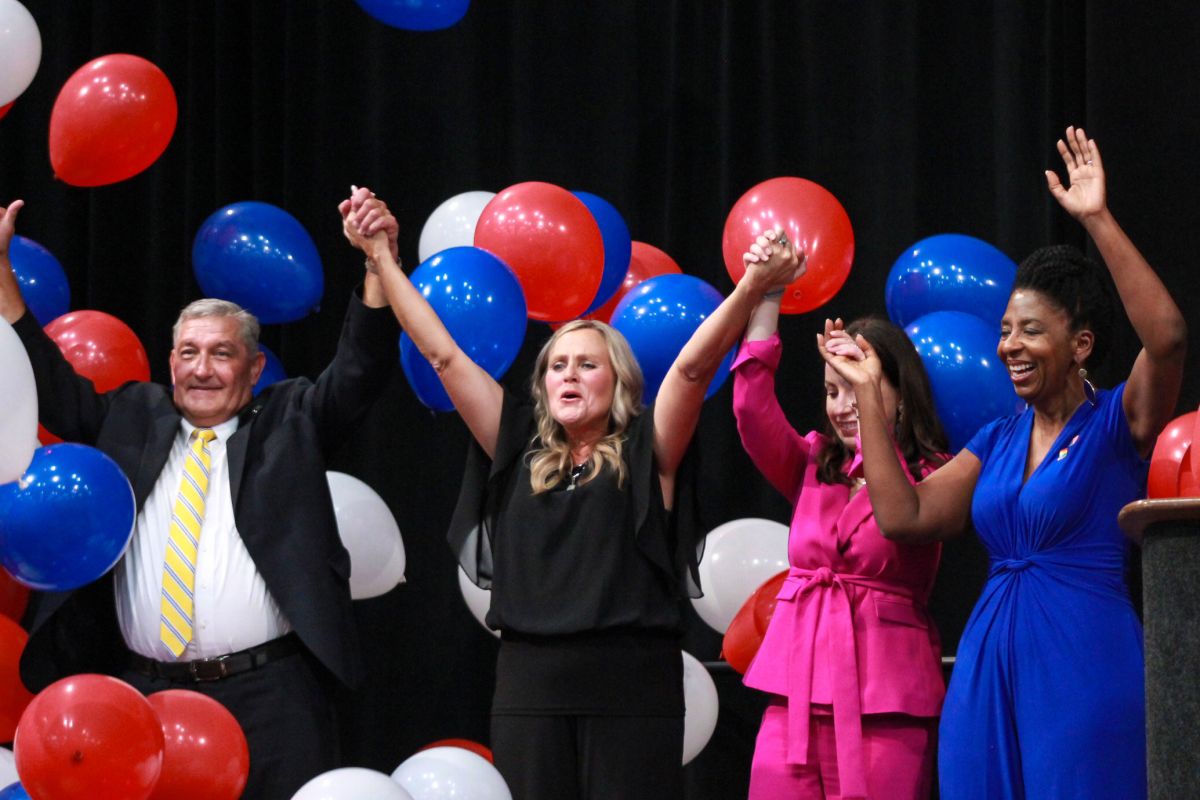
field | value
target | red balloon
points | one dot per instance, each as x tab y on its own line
645	261
1189	481
745	633
552	243
742	638
1168	456
14	697
812	218
14	596
101	348
113	118
89	736
466	744
765	598
1196	452
205	755
5	109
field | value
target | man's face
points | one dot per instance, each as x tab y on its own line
213	370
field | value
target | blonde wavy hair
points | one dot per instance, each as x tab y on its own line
550	454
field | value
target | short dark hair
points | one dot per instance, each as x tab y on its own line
919	433
1076	284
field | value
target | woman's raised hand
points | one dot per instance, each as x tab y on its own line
852	358
1086	194
773	262
367	222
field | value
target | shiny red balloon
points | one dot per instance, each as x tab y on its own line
113	118
745	633
5	109
550	241
1168	456
14	697
205	755
812	218
466	744
1195	459
14	596
1189	479
645	261
101	348
89	737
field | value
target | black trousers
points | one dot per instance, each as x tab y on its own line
564	757
285	709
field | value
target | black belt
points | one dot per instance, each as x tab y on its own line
214	669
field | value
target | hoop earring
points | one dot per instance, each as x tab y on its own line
1089	391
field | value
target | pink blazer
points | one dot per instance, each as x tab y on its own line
850	632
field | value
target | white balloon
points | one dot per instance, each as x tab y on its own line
450	773
352	783
452	224
20	50
371	535
8	768
479	601
18	422
739	556
700	707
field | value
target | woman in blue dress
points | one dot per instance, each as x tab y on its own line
1047	699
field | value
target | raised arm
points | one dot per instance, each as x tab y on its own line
12	305
475	394
769	265
1153	385
775	447
939	507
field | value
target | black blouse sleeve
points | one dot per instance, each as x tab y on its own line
481	494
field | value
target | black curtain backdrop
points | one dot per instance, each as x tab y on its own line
922	118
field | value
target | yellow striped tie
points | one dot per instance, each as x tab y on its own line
183	542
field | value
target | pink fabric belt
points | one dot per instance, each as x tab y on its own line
830	590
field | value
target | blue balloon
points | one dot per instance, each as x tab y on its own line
618	247
416	15
43	282
480	302
657	317
273	371
971	386
68	519
260	257
14	791
950	272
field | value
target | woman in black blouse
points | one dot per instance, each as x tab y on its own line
566	513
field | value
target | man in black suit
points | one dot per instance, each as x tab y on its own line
272	633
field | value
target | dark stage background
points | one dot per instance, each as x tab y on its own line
921	118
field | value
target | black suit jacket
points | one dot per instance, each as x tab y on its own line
280	495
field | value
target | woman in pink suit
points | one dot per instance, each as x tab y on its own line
851	655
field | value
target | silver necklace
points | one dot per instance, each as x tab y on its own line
577	472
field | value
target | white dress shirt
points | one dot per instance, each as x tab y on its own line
233	607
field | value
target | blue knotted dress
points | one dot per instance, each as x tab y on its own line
1047	698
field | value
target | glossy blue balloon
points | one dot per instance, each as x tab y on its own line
260	257
617	247
657	317
273	371
950	272
14	791
416	15
971	386
68	519
480	302
43	282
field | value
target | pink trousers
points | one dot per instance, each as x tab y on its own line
898	751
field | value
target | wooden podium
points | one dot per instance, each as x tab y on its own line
1169	533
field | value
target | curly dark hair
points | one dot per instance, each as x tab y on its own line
1076	284
918	431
